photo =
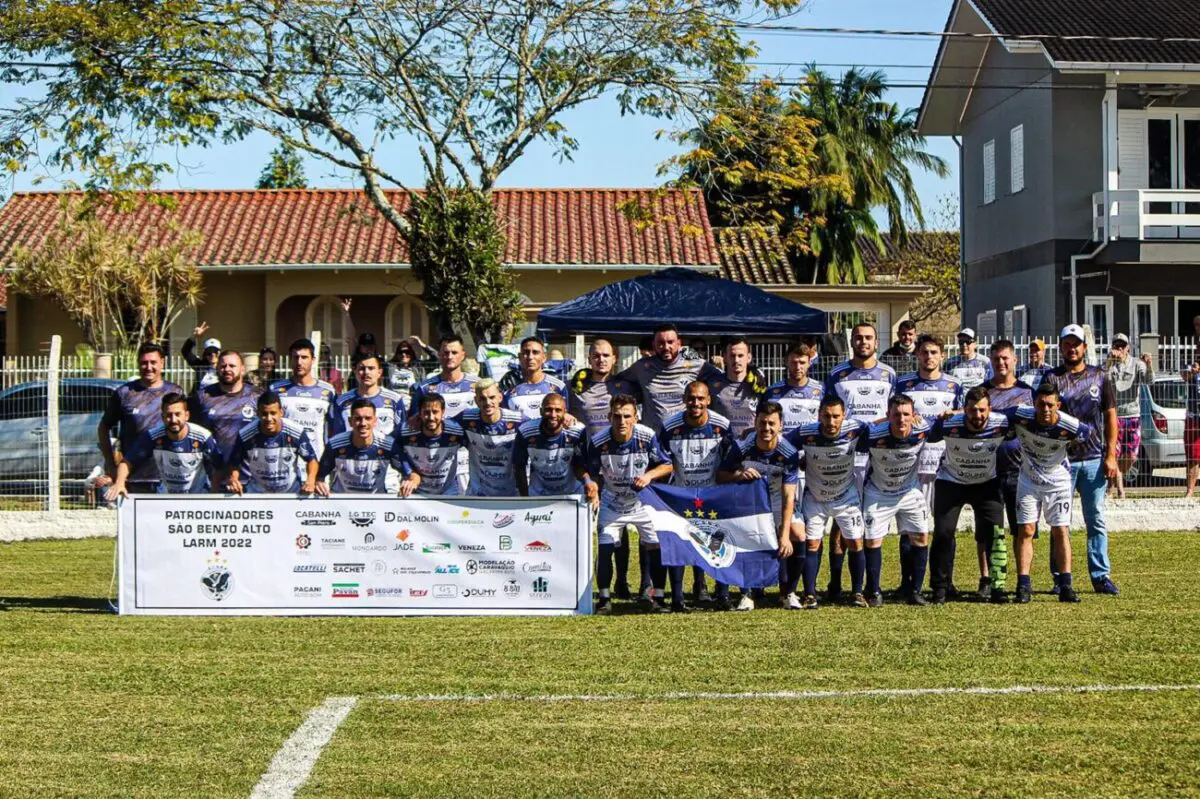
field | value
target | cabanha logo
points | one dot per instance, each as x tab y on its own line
409	518
345	590
309	568
539	518
435	549
303	541
349	568
362	518
538	546
501	520
318	518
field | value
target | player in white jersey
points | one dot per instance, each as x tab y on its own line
490	432
865	385
798	395
548	449
185	455
389	405
893	491
454	386
360	459
829	447
271	453
428	454
615	465
305	399
526	396
766	454
1044	484
968	476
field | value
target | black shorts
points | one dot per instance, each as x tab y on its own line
985	498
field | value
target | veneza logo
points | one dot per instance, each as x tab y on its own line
538	546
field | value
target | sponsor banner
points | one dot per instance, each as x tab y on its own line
354	555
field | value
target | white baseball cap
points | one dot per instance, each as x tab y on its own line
212	344
1121	337
1073	330
967	332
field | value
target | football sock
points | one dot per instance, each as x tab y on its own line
998	559
858	567
658	574
1024	581
812	565
874	567
920	564
675	573
698	579
604	568
621	551
1064	579
906	563
644	567
835	569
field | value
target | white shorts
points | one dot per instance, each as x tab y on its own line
861	461
928	481
846	510
611	524
1051	504
908	509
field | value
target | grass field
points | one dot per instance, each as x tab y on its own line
96	705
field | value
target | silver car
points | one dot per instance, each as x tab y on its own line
1164	405
24	430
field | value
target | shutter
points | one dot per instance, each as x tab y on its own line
1016	142
989	172
1133	167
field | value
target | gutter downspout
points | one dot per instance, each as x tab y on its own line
1108	114
962	236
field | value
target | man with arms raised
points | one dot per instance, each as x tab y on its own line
526	396
228	405
971	439
969	367
1087	395
489	434
454	386
306	400
865	386
737	393
136	407
1005	392
183	455
359	459
893	491
765	453
428	455
548	448
615	465
1128	375
270	454
661	378
1044	487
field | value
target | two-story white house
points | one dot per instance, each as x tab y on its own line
1078	124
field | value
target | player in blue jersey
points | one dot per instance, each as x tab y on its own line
305	399
490	433
428	454
614	466
270	454
865	386
359	459
893	491
829	447
454	386
526	396
933	393
368	384
798	395
134	408
736	394
1031	373
1087	394
968	367
766	454
697	440
183	455
971	440
545	452
228	405
1044	486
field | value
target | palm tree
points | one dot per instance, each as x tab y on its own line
872	144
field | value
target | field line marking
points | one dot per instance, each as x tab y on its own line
294	761
677	696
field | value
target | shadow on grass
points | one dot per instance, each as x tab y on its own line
64	604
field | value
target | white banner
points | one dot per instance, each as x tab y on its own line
366	555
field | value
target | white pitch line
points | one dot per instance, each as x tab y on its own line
294	761
676	696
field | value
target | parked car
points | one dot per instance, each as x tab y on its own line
1164	404
24	430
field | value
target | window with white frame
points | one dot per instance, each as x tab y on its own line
989	172
1016	145
1143	317
1098	312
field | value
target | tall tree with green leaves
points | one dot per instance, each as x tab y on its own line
284	170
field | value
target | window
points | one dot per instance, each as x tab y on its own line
325	315
989	172
1098	314
1143	317
1016	143
1015	322
406	316
985	323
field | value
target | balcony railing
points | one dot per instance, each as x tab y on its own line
1147	214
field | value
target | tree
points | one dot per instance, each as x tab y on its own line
474	83
118	292
285	170
934	259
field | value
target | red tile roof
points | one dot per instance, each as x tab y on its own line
754	256
339	226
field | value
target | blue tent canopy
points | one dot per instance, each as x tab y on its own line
698	303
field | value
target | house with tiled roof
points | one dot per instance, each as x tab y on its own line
276	263
1079	130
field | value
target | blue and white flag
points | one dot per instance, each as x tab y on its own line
727	530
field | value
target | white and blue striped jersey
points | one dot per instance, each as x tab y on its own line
865	390
271	464
828	461
435	458
389	408
780	466
1044	447
183	466
970	372
357	470
550	458
932	397
1032	375
618	464
695	452
895	462
800	403
526	398
490	452
970	454
307	406
457	394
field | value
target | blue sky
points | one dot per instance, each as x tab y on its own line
621	151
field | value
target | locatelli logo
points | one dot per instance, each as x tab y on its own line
309	568
303	541
537	546
502	520
217	580
345	590
362	518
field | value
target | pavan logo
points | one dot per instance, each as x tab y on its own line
538	546
345	590
533	519
362	518
502	520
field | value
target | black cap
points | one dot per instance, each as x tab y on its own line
366	338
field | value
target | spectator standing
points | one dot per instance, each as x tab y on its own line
205	364
1191	425
1128	375
902	355
969	367
1031	374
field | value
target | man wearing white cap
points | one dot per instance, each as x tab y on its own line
1128	375
968	367
1087	394
205	364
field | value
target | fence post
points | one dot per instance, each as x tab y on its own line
53	442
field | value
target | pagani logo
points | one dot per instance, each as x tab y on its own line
362	518
303	541
217	580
